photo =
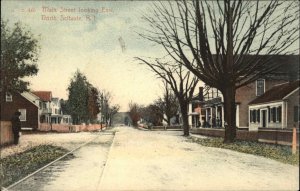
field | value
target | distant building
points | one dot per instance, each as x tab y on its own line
196	112
44	105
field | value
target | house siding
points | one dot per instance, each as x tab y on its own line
245	95
19	102
293	100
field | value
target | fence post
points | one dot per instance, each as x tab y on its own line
294	141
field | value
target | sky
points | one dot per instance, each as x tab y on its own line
101	44
101	41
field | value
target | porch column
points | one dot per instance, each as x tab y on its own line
222	119
206	115
211	116
237	115
190	116
284	115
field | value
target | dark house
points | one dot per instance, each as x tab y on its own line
18	102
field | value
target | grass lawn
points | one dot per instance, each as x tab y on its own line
277	152
17	166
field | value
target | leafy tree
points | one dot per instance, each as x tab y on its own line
78	98
93	102
19	55
152	114
64	106
213	39
83	102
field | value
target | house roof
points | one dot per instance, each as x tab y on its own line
276	93
30	97
43	95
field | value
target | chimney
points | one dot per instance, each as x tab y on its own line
201	93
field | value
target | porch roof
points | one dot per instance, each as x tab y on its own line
276	93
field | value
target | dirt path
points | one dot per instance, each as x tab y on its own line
144	160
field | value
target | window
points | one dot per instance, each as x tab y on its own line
8	97
296	113
275	114
260	87
255	116
23	114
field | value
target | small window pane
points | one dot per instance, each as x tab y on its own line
23	114
8	97
260	87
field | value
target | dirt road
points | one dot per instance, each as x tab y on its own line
160	160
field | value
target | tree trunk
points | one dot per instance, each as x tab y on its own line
185	121
229	114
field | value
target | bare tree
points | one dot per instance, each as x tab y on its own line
181	81
113	110
167	104
222	42
134	113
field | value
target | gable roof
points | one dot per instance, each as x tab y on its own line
31	97
43	95
276	93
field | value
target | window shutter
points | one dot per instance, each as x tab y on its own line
258	115
296	114
254	116
274	114
269	115
279	114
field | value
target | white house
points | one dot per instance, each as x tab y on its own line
276	108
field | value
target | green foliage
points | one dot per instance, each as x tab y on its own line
276	152
20	165
83	101
19	55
